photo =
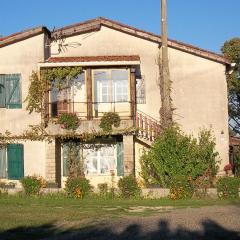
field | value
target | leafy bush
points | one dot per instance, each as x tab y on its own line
77	187
31	185
128	187
108	120
103	189
69	121
228	187
178	157
181	189
237	163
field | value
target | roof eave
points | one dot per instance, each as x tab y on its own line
24	35
95	25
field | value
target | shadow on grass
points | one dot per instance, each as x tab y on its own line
210	230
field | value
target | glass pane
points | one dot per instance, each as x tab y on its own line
78	88
101	86
90	161
140	90
107	160
121	74
120	89
120	85
107	164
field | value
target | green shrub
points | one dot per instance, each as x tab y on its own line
176	157
69	121
108	120
103	189
181	189
128	187
31	185
77	187
236	161
228	187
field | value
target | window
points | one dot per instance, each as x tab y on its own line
62	98
11	162
120	85
101	159
10	91
140	89
111	85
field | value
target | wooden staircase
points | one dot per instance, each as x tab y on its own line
148	128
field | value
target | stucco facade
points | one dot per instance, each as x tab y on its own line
199	91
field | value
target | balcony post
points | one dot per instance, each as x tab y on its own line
89	94
133	93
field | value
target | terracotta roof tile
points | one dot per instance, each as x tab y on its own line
94	59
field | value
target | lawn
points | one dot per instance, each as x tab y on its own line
24	216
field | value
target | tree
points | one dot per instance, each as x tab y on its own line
231	50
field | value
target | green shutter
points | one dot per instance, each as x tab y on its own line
2	91
15	161
3	167
13	91
65	159
120	159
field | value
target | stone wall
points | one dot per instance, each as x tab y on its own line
128	148
50	161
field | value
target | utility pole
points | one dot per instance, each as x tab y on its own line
165	82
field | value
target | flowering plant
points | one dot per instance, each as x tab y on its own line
228	167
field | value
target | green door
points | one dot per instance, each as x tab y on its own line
15	161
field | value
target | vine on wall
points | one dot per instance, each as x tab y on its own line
49	77
39	133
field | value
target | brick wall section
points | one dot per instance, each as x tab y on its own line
50	162
128	147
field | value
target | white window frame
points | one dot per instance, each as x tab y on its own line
111	94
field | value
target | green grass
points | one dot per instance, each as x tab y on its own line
22	212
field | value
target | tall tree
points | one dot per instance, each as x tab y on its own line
231	50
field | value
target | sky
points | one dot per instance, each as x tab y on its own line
203	23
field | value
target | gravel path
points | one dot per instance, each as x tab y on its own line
215	222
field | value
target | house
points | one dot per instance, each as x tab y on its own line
120	74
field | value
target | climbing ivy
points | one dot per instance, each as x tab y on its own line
39	133
49	77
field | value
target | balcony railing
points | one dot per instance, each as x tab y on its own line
81	109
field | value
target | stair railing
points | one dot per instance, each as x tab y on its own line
148	127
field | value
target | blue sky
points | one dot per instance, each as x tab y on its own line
204	23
